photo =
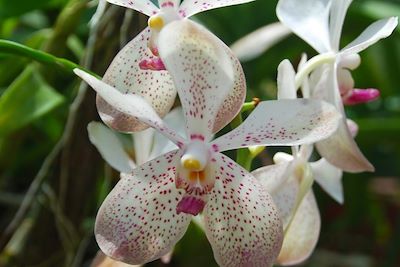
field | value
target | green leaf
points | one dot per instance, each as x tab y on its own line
16	8
27	99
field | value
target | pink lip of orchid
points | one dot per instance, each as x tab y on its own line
138	69
150	209
357	96
319	23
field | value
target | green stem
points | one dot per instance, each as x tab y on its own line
243	155
311	65
14	48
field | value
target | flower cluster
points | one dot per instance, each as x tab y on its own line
250	219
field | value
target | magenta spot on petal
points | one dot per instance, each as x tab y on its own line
168	4
197	137
190	205
215	148
358	96
152	64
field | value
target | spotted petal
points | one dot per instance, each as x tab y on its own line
110	148
241	221
283	187
125	75
131	105
329	178
303	233
143	6
286	122
308	19
190	7
232	103
259	41
202	70
376	31
138	223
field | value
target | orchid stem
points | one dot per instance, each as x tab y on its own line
14	48
311	65
243	155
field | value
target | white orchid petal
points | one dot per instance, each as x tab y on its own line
233	102
338	14
329	178
110	147
282	157
259	41
101	260
287	122
353	127
345	81
376	31
143	6
130	105
305	86
303	233
272	177
306	151
241	220
202	70
308	19
138	223
176	121
282	185
340	149
190	7
143	143
286	81
125	74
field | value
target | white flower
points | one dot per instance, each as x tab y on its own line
319	23
149	210
138	68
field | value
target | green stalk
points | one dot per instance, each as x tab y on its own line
14	48
243	155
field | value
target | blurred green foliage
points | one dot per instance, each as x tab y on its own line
34	105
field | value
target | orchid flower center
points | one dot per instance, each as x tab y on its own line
156	23
195	175
195	157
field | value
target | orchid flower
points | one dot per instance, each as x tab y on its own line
138	68
319	23
289	182
150	209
